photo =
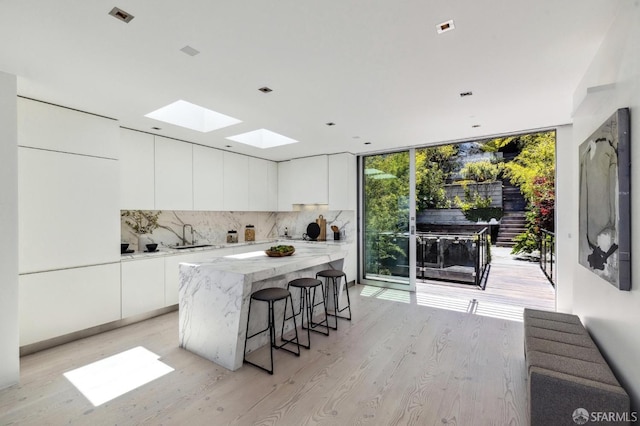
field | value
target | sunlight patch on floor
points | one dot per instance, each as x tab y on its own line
494	310
471	306
116	375
441	302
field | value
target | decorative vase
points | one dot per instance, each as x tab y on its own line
143	240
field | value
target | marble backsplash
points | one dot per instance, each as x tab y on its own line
212	227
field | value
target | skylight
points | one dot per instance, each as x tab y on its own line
185	114
262	138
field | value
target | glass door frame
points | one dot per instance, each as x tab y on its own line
411	219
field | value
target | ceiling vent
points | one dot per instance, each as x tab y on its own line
121	15
445	26
265	89
190	50
465	94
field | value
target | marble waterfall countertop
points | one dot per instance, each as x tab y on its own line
257	266
214	296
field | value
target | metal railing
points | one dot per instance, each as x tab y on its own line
483	247
547	255
460	257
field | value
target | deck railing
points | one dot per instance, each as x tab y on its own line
547	255
462	257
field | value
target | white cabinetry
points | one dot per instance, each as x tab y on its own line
309	179
69	212
142	286
136	170
61	302
236	182
46	126
342	182
208	178
284	186
173	174
263	185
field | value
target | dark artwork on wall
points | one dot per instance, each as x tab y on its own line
605	211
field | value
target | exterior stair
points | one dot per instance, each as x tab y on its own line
513	220
512	224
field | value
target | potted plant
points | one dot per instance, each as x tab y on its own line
142	223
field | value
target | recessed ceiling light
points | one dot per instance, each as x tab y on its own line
156	128
367	143
262	138
465	94
190	50
445	26
191	116
475	126
121	15
265	89
227	146
331	123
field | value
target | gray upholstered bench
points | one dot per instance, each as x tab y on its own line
566	371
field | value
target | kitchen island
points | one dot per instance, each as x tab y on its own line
214	297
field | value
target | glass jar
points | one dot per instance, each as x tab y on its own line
232	236
249	233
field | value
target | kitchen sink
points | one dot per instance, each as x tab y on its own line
190	246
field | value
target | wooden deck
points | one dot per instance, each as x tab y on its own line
512	285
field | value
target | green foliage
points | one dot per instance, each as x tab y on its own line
481	171
494	145
537	159
533	170
433	167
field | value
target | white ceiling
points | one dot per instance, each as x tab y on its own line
376	68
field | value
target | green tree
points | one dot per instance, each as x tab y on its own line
533	171
434	165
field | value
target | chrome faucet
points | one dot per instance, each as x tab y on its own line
184	239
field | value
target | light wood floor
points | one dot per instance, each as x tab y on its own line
396	363
444	355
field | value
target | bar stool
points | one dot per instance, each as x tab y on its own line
335	275
308	305
271	295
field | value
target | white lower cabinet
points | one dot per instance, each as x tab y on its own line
59	302
142	286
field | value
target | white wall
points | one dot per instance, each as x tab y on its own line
566	212
9	359
612	316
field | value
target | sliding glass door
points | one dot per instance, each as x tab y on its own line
388	235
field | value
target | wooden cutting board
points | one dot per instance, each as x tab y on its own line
321	221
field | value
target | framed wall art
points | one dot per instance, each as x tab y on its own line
605	209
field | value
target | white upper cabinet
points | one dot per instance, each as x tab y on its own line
69	213
46	126
208	178
284	186
342	182
309	180
236	182
173	175
263	185
136	171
